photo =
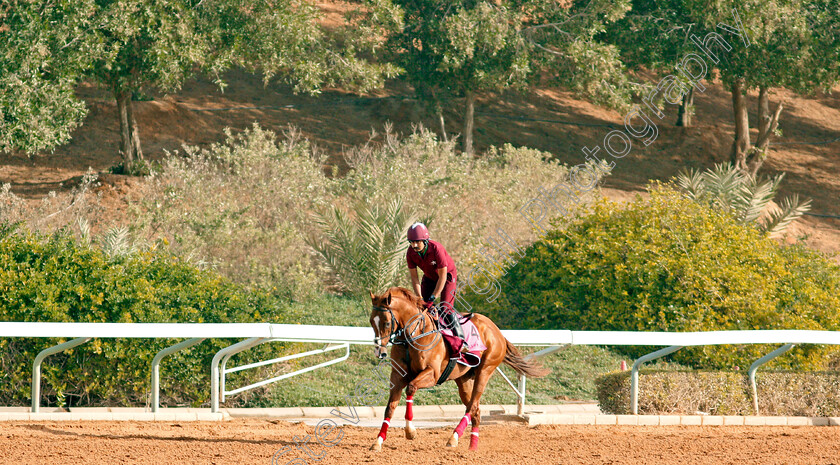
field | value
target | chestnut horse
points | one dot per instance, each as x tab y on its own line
419	357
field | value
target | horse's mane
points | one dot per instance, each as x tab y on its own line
407	295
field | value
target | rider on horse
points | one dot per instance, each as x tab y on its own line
439	279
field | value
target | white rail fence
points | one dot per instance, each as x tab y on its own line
337	338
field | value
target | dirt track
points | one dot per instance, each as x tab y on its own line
255	441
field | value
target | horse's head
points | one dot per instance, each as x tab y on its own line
383	321
391	312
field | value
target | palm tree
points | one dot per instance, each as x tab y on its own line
744	195
365	252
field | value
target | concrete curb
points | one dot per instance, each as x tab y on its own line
104	415
565	414
437	412
675	420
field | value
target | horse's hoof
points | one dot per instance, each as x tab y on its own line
453	441
410	433
376	447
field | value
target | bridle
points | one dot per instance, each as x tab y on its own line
399	332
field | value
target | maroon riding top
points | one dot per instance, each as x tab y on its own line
434	258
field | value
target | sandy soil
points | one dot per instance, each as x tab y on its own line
255	441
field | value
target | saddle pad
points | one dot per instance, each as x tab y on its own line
473	341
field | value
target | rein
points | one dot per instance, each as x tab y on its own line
400	332
406	340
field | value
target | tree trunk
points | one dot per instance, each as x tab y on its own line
763	111
439	113
469	121
684	115
442	125
741	145
129	136
767	124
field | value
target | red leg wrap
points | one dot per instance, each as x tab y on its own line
384	430
474	438
409	412
463	425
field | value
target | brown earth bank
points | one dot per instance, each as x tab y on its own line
256	441
549	119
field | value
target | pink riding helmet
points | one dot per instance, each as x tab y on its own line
418	232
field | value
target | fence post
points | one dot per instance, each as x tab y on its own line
156	367
36	367
760	362
634	374
520	401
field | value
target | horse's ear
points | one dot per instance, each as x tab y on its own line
388	299
371	295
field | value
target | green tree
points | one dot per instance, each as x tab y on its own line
458	49
158	44
790	44
44	46
655	34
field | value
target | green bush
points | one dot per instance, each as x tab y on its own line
466	198
54	278
242	207
671	264
247	206
812	394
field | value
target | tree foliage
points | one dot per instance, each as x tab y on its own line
155	45
44	47
655	35
762	45
458	49
780	49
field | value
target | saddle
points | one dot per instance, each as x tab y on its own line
434	312
471	339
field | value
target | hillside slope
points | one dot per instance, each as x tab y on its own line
547	119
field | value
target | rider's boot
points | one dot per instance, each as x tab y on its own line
454	323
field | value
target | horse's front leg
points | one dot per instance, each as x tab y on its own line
425	379
397	385
410	430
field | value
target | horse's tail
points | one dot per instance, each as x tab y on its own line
527	366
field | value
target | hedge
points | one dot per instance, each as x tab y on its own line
55	278
811	394
670	264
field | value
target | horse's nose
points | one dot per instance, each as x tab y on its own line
381	354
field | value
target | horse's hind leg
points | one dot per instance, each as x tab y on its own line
478	389
465	390
473	411
465	387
